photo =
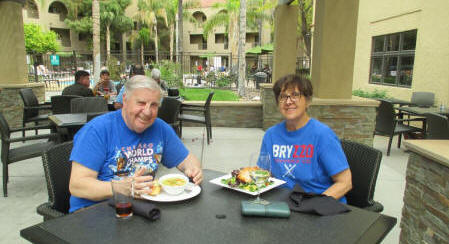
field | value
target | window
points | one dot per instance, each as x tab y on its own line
392	59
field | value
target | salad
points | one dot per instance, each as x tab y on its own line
249	179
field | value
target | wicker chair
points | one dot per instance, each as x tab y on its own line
57	174
31	108
364	162
88	105
169	112
437	126
61	104
388	123
423	99
16	154
202	119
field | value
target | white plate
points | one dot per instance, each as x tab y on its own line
217	181
165	197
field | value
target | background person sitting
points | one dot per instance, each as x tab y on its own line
81	86
156	75
135	70
104	86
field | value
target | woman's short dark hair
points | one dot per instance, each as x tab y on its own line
291	82
136	70
79	74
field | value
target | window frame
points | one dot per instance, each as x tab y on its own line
384	54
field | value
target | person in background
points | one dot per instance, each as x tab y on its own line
135	70
81	86
156	75
131	142
104	86
303	150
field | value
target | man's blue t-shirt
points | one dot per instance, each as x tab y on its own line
119	98
309	156
107	146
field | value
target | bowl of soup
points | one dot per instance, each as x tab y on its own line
173	184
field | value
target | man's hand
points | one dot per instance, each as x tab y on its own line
191	167
142	184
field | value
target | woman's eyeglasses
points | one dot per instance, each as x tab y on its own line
295	96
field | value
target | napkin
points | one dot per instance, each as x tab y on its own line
318	204
273	209
142	208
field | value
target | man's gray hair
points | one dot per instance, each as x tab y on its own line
156	74
141	81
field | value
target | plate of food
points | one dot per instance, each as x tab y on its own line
244	180
172	188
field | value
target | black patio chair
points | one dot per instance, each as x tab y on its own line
89	105
423	99
62	104
11	155
31	107
204	118
169	112
388	123
437	126
57	168
364	162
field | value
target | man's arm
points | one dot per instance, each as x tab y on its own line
84	184
191	167
342	184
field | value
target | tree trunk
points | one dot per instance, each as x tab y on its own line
241	46
124	54
141	53
233	34
304	30
108	43
172	33
179	33
96	39
156	46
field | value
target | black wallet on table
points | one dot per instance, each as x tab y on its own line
273	209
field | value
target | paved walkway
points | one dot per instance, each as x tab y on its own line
230	149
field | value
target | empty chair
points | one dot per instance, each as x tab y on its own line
61	104
364	162
31	108
11	155
169	112
57	168
423	99
387	123
204	118
437	126
89	105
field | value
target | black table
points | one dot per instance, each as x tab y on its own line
194	221
395	101
68	124
421	111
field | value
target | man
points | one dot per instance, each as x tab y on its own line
81	86
135	70
156	75
104	86
128	142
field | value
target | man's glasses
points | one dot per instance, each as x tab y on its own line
295	96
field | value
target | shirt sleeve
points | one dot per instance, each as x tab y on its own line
331	154
89	148
119	98
174	150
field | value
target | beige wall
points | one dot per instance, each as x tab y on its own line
50	20
431	20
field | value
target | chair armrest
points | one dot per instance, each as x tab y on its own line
30	138
43	106
191	105
193	109
415	119
31	128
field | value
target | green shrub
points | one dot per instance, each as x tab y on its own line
223	81
114	68
373	94
170	72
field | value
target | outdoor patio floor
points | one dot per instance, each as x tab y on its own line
230	149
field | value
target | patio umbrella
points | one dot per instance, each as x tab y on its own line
254	50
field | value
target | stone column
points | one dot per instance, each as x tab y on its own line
284	55
13	68
333	48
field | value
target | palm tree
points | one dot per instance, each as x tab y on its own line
143	20
242	41
96	38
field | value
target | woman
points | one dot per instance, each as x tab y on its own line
303	150
105	87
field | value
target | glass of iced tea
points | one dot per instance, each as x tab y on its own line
122	192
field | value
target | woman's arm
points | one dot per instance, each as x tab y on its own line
342	184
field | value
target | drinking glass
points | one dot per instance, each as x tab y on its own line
260	177
122	193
